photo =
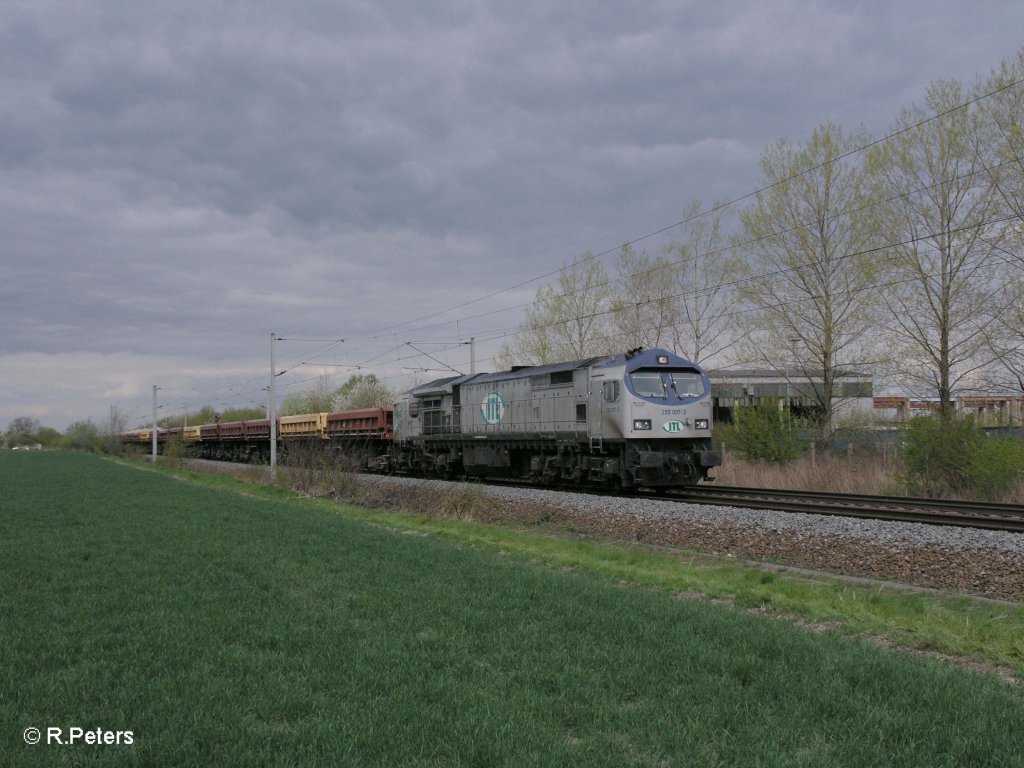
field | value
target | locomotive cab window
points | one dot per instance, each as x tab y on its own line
647	383
687	383
611	391
681	384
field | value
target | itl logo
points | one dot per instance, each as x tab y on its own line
493	408
676	426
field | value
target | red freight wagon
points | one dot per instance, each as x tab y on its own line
366	422
232	430
257	428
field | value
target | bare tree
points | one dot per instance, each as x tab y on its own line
809	277
23	430
23	425
568	320
1003	115
1005	340
943	292
116	423
702	269
644	307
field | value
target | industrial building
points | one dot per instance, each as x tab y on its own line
791	389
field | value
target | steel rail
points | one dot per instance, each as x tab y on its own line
967	514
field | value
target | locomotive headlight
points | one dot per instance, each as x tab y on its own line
700	423
641	423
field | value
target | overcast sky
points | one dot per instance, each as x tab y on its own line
177	180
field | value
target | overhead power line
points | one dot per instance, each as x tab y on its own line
333	343
720	206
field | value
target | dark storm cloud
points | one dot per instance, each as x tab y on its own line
179	178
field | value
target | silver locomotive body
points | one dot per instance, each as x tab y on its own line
641	419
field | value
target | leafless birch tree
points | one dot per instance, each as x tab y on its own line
568	319
703	269
644	304
943	292
809	281
1003	115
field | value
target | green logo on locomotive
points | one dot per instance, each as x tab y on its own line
493	408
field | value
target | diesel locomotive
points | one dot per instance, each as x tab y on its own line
639	419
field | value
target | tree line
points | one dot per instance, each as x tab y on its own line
358	391
900	257
28	432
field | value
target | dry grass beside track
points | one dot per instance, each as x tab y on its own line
875	474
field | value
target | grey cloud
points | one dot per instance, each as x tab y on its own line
186	176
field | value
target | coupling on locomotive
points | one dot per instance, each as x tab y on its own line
641	419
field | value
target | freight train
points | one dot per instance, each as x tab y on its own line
642	419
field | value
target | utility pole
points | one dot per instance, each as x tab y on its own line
154	423
272	413
472	354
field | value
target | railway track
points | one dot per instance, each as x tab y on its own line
985	515
966	514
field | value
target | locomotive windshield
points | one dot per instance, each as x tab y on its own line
681	384
647	383
687	383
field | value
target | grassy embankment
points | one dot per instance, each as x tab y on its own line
225	629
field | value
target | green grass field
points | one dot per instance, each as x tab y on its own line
231	630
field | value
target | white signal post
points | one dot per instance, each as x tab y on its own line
472	353
272	412
154	423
